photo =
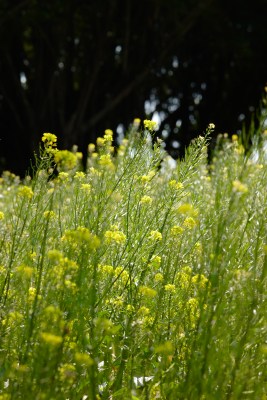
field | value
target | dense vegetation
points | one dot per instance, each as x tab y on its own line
139	278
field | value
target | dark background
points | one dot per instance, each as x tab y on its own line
75	68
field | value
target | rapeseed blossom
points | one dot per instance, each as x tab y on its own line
83	359
81	235
49	214
187	209
176	185
147	291
189	223
115	236
169	287
150	125
91	147
49	140
108	137
51	339
65	160
146	200
239	187
86	187
26	192
155	236
105	160
176	230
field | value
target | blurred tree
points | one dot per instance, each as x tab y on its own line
75	68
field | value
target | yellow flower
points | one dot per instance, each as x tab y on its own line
2	215
155	262
155	236
67	372
190	223
79	175
130	308
115	236
176	230
49	139
147	178
49	214
25	270
143	311
108	137
81	235
176	185
25	191
63	176
234	138
146	200
122	274
239	187
136	122
31	293
65	160
150	125
55	255
158	277
83	359
187	209
170	288
49	338
147	291
165	348
91	147
86	187
100	141
106	161
106	269
200	280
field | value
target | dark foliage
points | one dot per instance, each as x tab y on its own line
75	68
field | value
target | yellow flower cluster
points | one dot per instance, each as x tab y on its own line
65	160
158	277
147	178
50	339
25	271
239	187
115	236
146	200
26	192
147	291
189	223
176	230
106	161
83	359
176	185
170	288
108	136
79	176
136	123
86	187
81	235
155	236
49	214
150	125
49	140
187	209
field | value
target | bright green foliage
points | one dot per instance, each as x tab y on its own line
135	279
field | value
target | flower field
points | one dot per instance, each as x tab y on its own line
136	278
